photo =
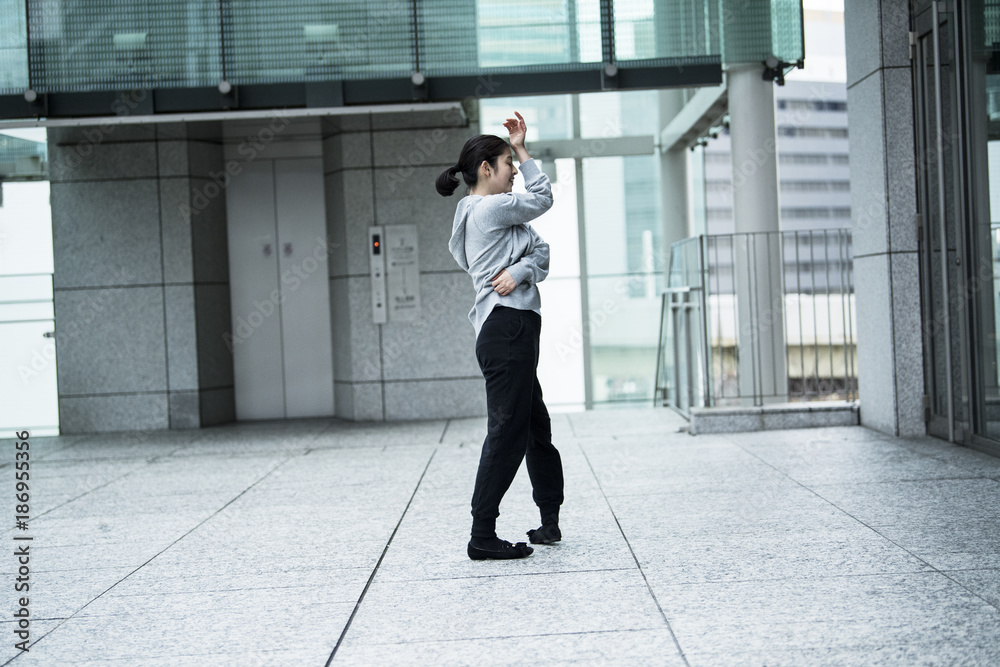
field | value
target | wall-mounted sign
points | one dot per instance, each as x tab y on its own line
402	272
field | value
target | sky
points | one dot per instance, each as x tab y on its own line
825	54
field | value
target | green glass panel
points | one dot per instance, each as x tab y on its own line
90	45
588	22
123	44
665	29
12	148
746	30
447	39
984	28
272	41
786	30
535	32
752	30
13	47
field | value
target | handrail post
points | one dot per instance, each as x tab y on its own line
708	398
659	352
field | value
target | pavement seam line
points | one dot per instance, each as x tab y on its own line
534	574
652	594
371	578
149	462
937	570
154	556
501	637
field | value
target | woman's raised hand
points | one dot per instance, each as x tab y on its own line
517	130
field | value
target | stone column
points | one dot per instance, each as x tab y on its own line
760	333
141	279
673	177
883	205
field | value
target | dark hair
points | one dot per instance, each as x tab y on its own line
482	147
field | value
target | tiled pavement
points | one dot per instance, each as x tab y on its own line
293	542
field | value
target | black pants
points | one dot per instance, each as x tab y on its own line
518	426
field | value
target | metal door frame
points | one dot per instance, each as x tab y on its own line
929	25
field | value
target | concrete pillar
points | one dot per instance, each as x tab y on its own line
673	177
760	333
380	170
883	203
141	278
754	154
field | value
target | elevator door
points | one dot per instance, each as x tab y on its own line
282	355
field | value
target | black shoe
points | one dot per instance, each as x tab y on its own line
545	535
497	549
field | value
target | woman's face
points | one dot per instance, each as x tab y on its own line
501	179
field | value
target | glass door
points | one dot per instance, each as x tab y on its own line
940	202
981	82
29	396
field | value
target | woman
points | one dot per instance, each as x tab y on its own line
492	241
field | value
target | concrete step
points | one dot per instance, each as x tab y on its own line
773	417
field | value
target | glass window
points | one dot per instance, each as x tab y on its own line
13	47
120	44
28	400
547	116
648	29
531	32
612	114
560	365
625	274
984	152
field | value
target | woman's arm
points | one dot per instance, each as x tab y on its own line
533	267
509	209
514	208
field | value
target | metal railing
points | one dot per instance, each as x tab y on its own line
749	319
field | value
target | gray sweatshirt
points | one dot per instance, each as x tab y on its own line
491	233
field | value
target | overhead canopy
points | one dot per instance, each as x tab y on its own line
79	58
